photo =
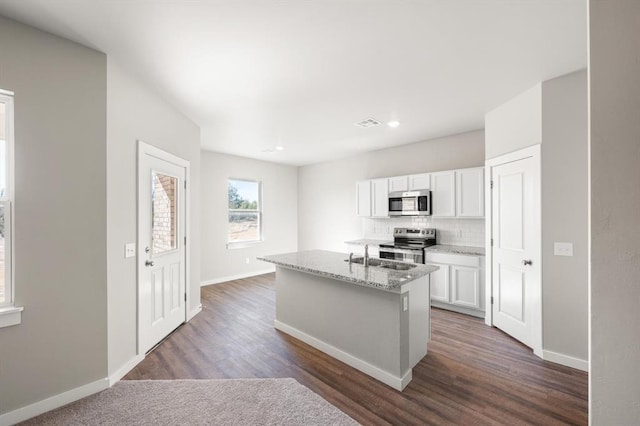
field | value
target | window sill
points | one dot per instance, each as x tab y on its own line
10	316
243	244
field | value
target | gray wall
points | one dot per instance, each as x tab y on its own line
327	191
279	219
615	202
565	206
134	113
60	216
554	114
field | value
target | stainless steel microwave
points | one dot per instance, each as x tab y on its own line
410	203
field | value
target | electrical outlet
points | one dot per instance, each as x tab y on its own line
563	249
247	260
129	250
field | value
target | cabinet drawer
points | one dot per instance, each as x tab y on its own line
452	259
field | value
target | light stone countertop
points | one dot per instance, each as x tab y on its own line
441	248
332	265
368	241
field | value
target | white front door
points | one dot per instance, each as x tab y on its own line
516	287
161	245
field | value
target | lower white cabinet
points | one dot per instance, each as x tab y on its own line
459	283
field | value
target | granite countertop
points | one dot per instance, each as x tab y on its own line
368	241
441	248
332	265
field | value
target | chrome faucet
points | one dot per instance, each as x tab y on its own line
366	255
350	258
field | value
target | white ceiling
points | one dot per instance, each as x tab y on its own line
298	73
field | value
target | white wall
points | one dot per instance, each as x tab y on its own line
615	205
279	220
554	114
514	125
60	228
564	215
133	113
326	191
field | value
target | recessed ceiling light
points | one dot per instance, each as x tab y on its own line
369	122
393	124
279	148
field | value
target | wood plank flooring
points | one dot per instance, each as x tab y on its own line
472	375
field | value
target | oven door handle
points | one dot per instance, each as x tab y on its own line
402	251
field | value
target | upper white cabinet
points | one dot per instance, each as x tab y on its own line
372	198
363	198
421	181
470	192
454	193
380	197
443	190
398	183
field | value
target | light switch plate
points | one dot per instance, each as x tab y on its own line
563	249
130	250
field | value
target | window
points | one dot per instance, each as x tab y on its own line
9	315
245	212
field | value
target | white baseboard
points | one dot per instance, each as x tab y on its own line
569	361
385	377
236	277
195	311
122	371
51	403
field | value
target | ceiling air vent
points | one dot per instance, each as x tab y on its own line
369	122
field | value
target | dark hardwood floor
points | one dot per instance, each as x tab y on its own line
472	375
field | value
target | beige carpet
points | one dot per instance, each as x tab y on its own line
199	402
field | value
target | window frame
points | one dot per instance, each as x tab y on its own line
259	211
9	313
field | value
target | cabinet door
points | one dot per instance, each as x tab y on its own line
380	198
421	181
470	192
363	198
440	284
443	198
398	183
465	286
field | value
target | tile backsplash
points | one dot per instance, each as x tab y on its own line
458	232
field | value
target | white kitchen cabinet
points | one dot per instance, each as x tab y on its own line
440	284
380	197
398	183
470	192
420	181
465	286
443	198
363	198
459	283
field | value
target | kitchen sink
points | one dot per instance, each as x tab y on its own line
383	263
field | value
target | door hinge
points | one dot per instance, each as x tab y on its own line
491	184
492	300
185	241
492	242
185	298
185	184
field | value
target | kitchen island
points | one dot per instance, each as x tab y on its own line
375	318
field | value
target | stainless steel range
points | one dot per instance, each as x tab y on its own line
408	244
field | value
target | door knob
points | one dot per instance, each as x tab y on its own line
148	263
527	262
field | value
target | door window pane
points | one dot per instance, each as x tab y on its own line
164	204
